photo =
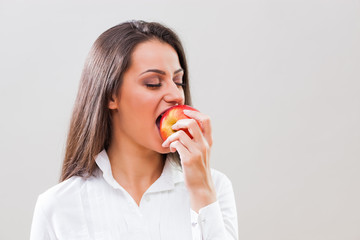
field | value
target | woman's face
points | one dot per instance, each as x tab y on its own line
151	85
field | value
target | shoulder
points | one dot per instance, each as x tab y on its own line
61	194
222	182
58	211
219	178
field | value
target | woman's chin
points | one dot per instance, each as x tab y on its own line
163	150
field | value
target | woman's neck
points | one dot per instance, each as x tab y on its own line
132	165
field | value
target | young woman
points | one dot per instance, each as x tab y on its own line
119	179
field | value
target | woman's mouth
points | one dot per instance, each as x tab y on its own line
158	120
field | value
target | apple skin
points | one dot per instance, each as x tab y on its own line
170	117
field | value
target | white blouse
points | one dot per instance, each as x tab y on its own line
99	208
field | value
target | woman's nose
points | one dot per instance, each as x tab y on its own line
174	94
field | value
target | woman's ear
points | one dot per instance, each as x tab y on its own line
113	102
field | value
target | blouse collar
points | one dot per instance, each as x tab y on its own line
170	175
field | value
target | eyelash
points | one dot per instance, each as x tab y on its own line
159	85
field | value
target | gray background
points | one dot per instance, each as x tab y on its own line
280	80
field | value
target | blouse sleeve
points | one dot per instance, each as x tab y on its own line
218	220
40	229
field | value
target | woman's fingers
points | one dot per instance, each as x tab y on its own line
205	123
191	125
180	148
180	136
194	148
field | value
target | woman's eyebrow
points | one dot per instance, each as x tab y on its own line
161	72
179	70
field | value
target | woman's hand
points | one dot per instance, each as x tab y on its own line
195	157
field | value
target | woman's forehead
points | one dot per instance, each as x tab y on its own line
154	54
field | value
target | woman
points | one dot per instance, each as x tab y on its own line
119	179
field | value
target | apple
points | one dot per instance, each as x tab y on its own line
170	117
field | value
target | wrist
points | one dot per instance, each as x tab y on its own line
201	198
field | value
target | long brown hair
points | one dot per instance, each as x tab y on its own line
109	58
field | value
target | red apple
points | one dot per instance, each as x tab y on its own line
170	117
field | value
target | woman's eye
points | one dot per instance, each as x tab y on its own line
180	84
178	80
153	85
